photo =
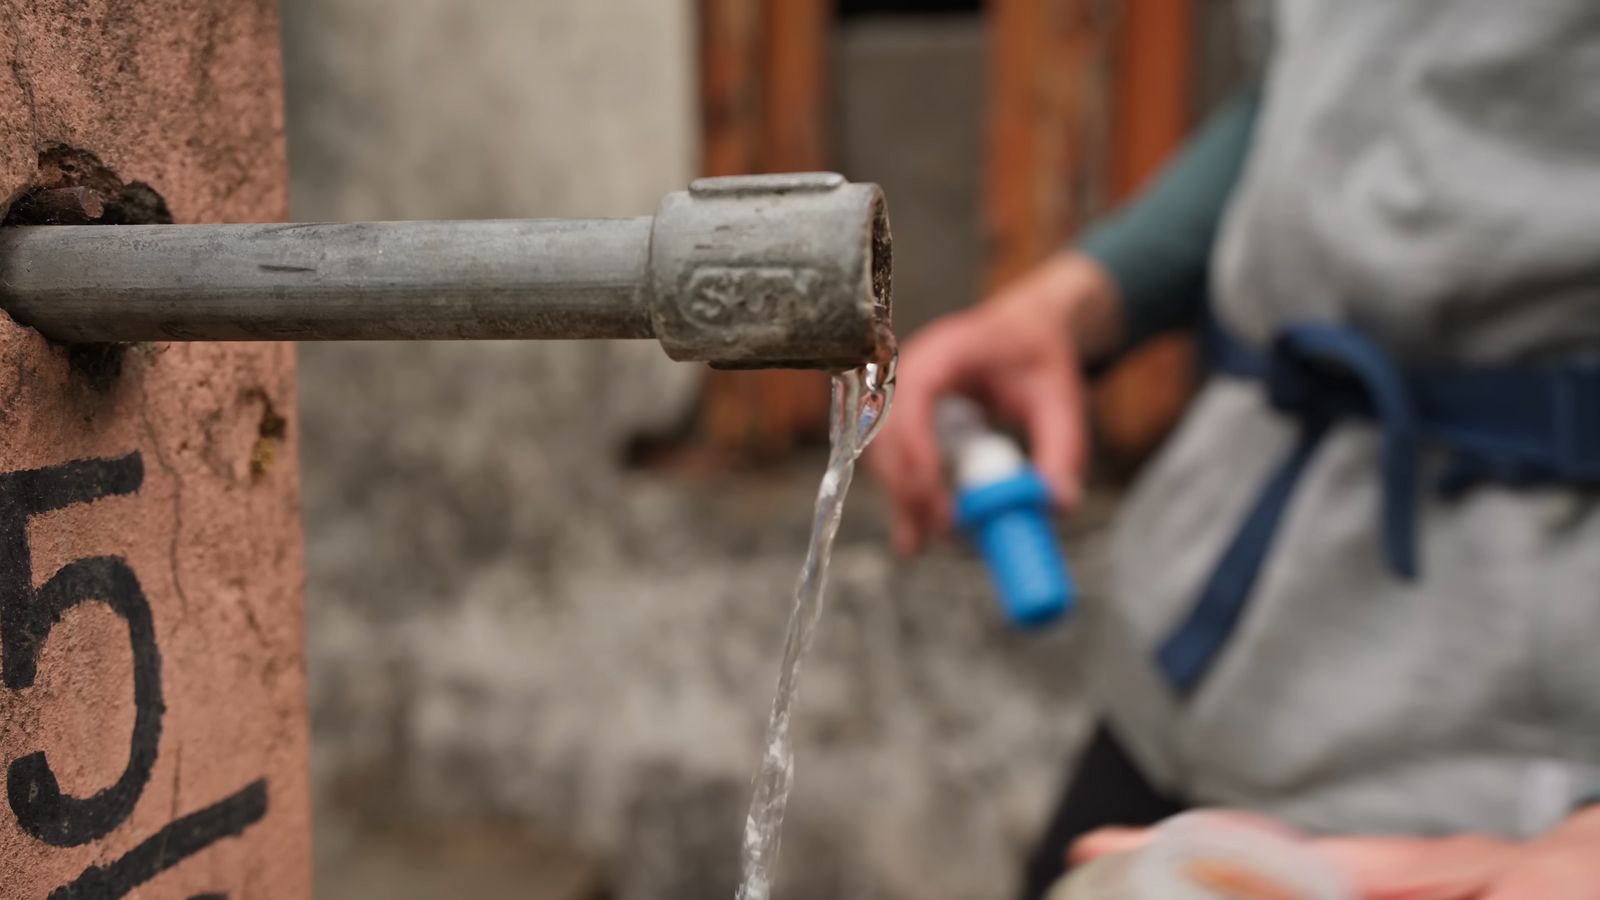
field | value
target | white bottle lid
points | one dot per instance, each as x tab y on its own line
986	459
978	455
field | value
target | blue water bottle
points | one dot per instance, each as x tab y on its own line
1003	505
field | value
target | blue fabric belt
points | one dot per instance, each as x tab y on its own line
1521	426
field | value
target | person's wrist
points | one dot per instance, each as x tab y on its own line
1069	294
1088	305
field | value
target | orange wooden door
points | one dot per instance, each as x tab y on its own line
1086	101
1045	124
763	84
1137	403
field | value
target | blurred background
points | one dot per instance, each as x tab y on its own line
548	583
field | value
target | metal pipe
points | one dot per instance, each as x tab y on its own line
768	271
330	282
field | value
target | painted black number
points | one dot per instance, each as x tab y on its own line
26	618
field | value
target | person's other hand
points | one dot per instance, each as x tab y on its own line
1018	355
1563	864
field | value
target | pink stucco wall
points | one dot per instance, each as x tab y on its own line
168	485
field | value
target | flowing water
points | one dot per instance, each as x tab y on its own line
860	402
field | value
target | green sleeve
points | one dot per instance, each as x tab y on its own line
1158	246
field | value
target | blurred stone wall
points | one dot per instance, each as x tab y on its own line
907	110
535	673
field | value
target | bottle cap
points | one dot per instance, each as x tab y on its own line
1009	521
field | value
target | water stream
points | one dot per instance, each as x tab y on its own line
860	402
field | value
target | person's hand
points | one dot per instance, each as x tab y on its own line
1563	864
1018	355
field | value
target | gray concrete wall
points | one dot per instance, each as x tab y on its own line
534	672
908	114
484	108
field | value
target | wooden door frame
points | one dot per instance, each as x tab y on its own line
1086	98
763	76
1137	403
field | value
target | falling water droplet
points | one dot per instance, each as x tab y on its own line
861	399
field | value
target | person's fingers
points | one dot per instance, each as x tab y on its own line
986	353
1378	868
940	515
1457	868
886	460
1056	431
904	533
918	481
1550	876
1106	842
929	368
882	459
1563	864
1047	400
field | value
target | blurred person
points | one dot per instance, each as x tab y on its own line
1359	588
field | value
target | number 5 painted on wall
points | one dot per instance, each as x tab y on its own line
26	619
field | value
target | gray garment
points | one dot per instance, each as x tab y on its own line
1429	171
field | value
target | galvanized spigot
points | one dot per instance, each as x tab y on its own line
777	271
